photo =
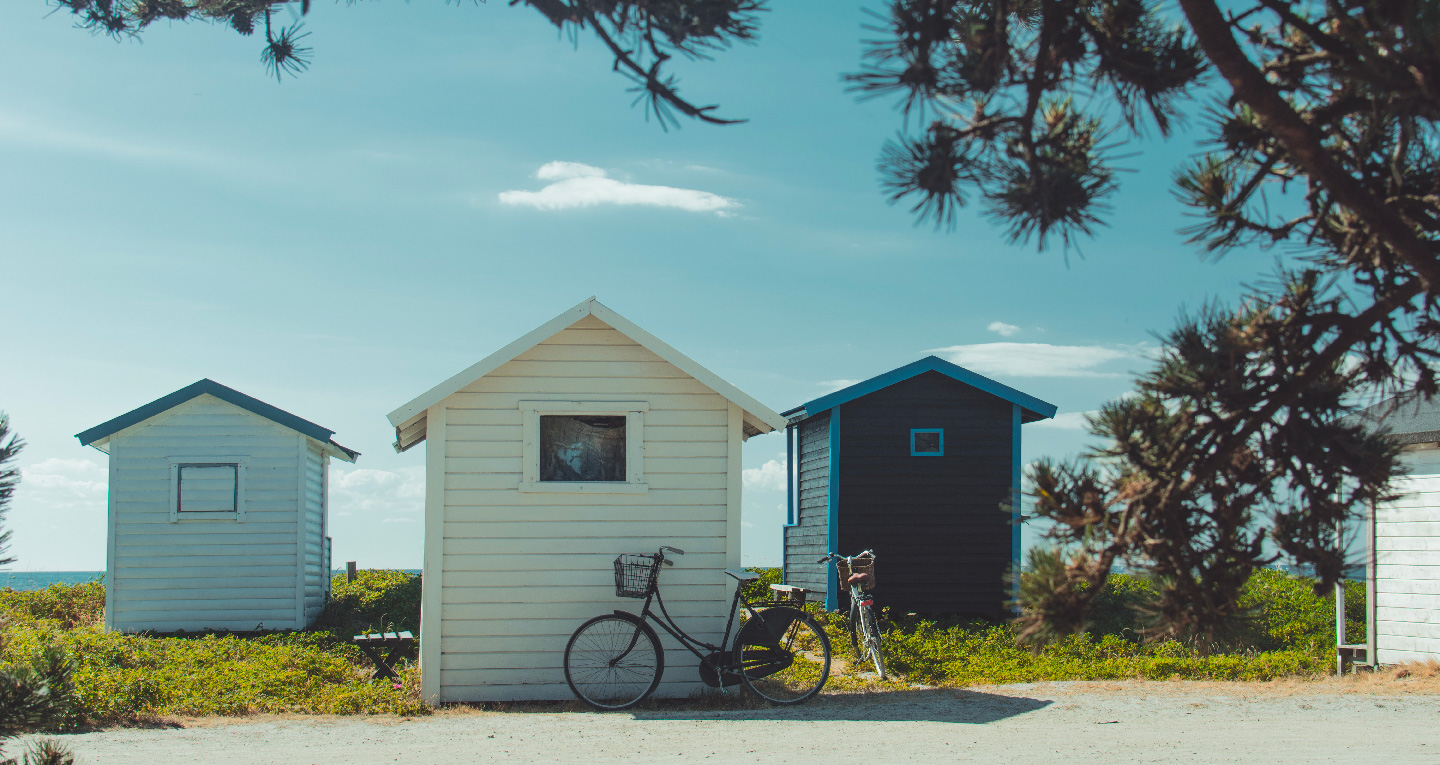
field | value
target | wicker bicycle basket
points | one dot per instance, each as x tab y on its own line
857	566
635	575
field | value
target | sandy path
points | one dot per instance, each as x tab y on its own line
1040	723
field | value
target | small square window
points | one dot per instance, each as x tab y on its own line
927	442
208	487
582	447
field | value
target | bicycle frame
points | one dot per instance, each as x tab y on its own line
689	643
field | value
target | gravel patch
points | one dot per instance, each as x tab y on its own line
1109	723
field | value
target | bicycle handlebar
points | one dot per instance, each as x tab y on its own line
837	556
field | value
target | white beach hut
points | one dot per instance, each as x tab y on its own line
584	439
1403	541
217	513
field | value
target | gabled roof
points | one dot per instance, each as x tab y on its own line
1407	418
409	420
100	434
1032	408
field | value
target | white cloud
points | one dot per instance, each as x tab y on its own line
767	477
1002	329
834	385
1037	359
65	483
559	171
378	492
1066	421
578	185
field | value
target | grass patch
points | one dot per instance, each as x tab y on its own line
121	677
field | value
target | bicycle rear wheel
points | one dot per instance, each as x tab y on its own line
613	662
785	659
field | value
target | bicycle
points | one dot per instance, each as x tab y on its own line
858	574
615	661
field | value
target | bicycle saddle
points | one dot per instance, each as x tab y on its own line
857	578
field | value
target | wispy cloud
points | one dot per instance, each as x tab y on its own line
575	185
388	493
1002	329
831	386
60	483
1038	359
1066	421
767	477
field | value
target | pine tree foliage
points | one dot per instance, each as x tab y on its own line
10	446
41	693
641	35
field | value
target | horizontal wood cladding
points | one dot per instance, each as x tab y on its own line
200	572
1407	567
522	570
808	540
936	523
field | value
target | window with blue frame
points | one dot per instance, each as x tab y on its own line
927	442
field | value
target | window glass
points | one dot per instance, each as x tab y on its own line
582	447
207	488
925	442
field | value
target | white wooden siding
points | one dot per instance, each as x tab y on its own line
316	464
212	573
522	570
1407	565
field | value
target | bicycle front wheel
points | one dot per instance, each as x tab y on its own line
613	662
871	638
786	660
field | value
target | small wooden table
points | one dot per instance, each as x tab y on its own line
789	593
398	644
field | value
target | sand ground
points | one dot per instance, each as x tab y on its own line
1185	722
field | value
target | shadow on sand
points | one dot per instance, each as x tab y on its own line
951	705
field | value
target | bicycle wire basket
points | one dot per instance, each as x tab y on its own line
857	566
635	575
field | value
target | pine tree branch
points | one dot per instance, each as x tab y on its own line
1251	87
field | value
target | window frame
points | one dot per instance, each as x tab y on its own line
238	514
634	414
940	431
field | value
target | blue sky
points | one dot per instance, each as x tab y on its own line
339	243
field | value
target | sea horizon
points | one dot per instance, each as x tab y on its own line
39	580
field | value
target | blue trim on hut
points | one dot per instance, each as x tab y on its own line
832	594
1016	517
1034	408
229	395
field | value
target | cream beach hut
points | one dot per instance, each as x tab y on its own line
1403	541
586	438
217	513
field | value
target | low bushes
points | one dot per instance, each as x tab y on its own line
116	677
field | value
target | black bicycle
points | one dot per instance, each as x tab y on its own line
857	573
615	661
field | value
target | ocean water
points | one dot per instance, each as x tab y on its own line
39	580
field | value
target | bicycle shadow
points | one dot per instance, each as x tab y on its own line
946	705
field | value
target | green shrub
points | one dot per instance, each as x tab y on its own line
378	600
71	605
760	588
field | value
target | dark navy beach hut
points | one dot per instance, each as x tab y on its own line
921	464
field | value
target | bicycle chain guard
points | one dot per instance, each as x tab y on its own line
712	674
